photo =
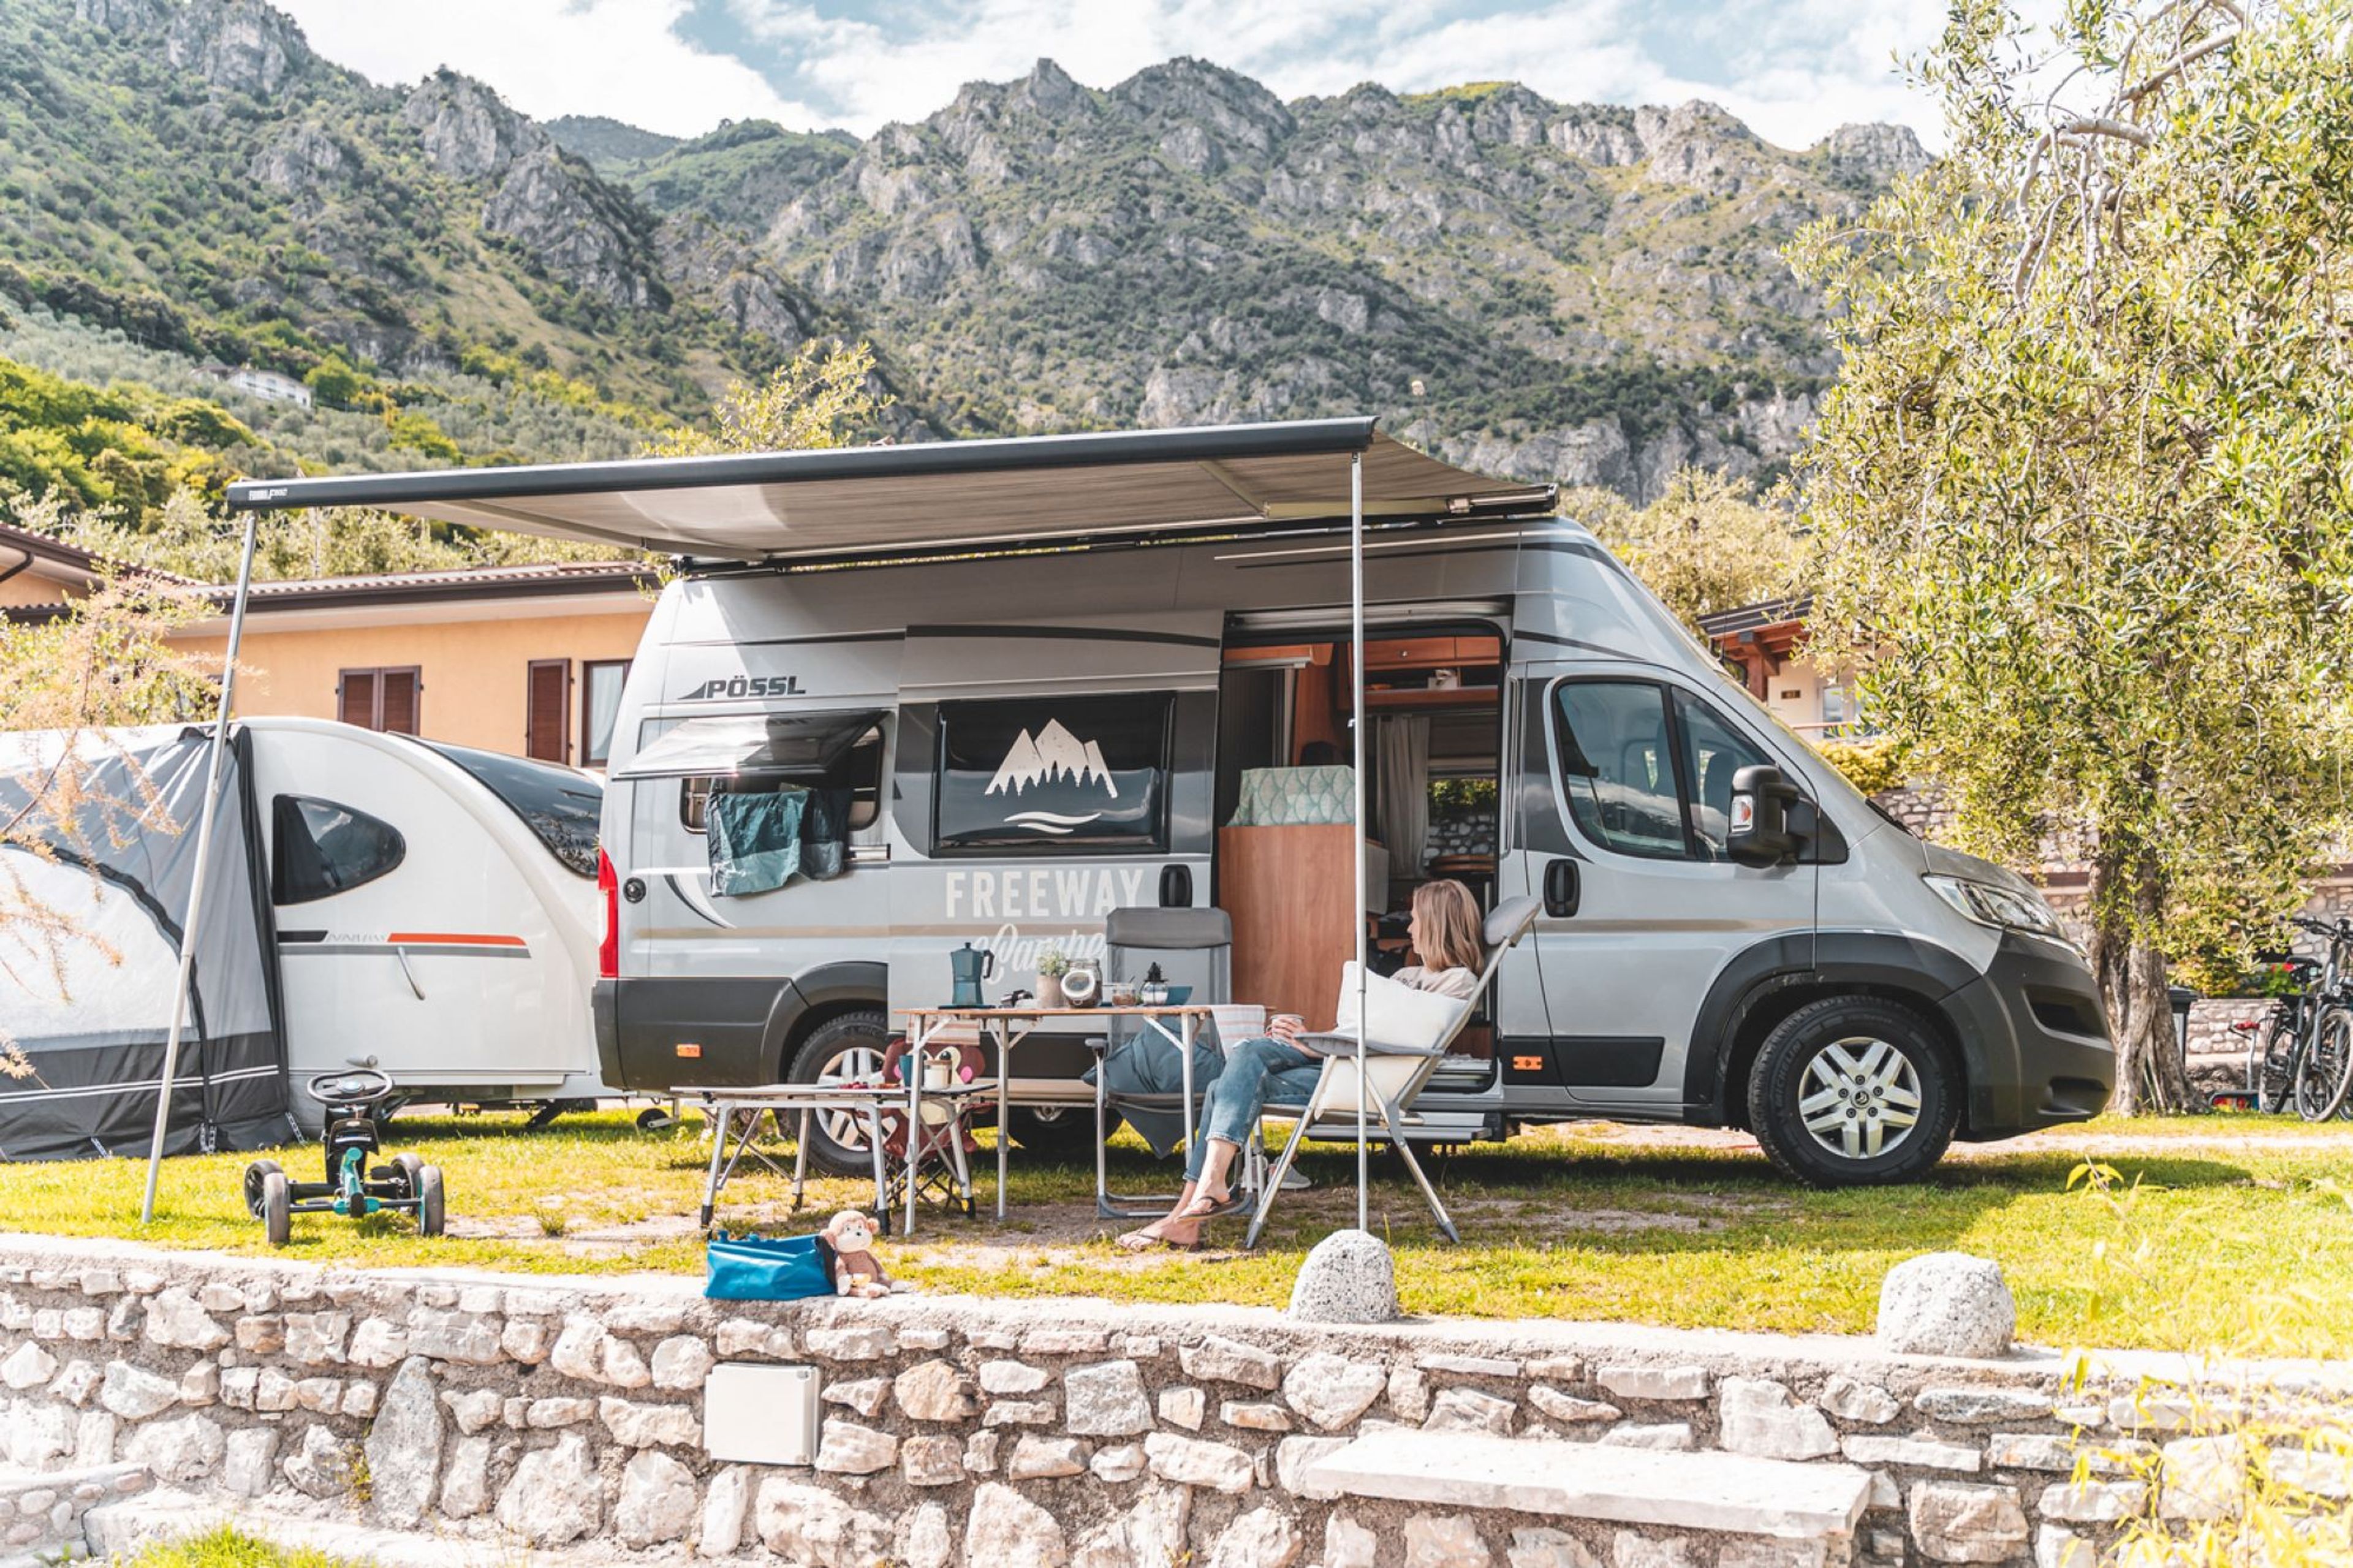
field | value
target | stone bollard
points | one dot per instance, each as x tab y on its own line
1348	1278
1945	1303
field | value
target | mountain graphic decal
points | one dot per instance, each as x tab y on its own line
1053	756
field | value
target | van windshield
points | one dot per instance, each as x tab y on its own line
560	807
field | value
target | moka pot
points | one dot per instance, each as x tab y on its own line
971	966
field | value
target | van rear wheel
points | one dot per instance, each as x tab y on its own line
1854	1092
844	1050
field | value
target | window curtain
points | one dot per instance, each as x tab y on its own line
1402	766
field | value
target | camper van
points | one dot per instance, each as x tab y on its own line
1026	743
374	900
985	692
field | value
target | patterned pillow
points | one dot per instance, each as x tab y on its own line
1290	798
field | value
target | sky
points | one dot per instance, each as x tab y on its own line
1794	70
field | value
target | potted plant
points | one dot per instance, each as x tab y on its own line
1052	964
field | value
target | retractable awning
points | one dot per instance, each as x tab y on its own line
882	501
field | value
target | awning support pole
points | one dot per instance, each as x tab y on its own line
193	919
1358	727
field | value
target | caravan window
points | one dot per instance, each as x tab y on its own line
318	849
858	769
560	808
1040	774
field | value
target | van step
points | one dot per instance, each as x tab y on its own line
1726	1492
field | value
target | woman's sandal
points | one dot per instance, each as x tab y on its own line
1204	1207
1138	1241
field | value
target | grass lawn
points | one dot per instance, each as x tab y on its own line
2230	1231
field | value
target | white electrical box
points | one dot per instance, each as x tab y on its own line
756	1413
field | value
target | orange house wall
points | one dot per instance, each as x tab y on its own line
473	671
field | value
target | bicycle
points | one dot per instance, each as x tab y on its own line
2307	1059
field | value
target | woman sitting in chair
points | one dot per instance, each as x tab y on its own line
1277	1067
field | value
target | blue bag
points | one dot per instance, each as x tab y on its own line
763	1268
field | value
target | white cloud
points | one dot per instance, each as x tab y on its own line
1793	68
549	58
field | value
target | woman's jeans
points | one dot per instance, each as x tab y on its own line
1256	1072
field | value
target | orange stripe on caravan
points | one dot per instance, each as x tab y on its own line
456	939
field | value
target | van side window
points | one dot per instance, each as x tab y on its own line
1034	774
318	849
1714	750
1617	768
859	771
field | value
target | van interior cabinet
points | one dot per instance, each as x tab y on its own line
1288	892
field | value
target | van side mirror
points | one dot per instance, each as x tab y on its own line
1760	833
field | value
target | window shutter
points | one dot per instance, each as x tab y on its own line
356	704
400	701
545	709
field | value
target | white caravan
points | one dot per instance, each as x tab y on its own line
436	913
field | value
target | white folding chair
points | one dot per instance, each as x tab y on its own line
1394	1079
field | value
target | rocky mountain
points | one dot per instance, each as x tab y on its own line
1588	293
191	173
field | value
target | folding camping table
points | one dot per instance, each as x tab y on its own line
734	1114
1011	1026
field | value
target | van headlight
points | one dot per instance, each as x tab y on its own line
2002	908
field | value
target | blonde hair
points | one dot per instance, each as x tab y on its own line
1449	925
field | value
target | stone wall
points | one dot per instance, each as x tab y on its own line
544	1412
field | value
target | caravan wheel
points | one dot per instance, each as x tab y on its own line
841	1051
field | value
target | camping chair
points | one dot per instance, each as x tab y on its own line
1137	1071
1394	1079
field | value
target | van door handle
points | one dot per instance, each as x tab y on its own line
1563	889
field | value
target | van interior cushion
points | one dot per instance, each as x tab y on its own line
723	745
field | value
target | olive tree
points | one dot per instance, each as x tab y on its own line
1705	544
2080	497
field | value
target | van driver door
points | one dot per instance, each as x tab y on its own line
1639	785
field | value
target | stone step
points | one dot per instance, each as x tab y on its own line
118	1530
1730	1493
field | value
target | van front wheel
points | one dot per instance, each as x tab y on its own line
844	1050
1852	1092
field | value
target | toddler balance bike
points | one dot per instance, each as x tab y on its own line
354	1187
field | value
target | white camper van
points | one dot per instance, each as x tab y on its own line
1035	680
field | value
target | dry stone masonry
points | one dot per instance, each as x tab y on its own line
554	1413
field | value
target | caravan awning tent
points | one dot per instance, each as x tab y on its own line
877	501
91	1013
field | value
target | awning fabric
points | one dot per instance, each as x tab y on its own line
876	502
796	746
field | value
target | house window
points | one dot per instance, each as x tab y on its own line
389	698
600	706
547	710
1838	707
318	849
1043	774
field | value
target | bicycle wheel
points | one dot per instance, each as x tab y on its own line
2325	1072
2275	1075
